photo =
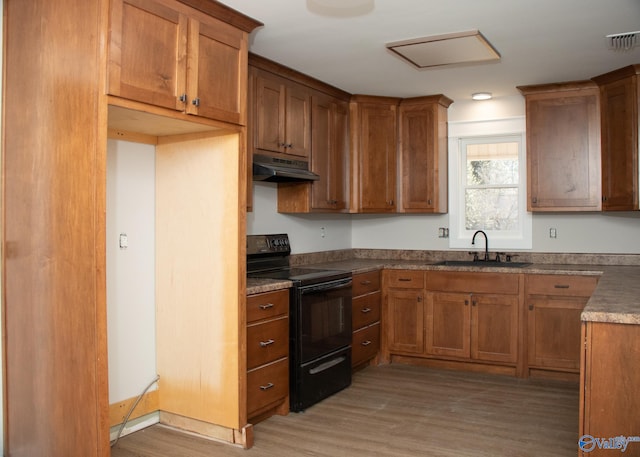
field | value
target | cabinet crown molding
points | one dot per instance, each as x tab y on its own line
556	87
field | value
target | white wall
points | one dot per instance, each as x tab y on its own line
576	233
130	271
305	231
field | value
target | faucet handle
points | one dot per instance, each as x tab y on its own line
475	256
510	257
498	254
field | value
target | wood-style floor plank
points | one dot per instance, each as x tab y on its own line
399	410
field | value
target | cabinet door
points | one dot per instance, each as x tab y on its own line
563	151
376	180
328	153
217	74
448	324
147	53
297	121
423	154
405	321
494	327
554	331
619	107
269	114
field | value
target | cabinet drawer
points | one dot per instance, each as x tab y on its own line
267	385
365	344
405	279
267	305
365	310
575	286
471	282
365	283
267	342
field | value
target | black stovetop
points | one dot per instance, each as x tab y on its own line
268	257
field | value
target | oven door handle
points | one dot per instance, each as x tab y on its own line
326	365
333	285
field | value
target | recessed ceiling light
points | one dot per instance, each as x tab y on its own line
481	96
341	8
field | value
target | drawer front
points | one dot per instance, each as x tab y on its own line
365	283
267	342
471	282
267	305
267	385
365	310
365	344
575	286
405	279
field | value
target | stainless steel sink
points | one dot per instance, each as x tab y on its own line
482	264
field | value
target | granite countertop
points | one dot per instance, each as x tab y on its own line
260	285
615	300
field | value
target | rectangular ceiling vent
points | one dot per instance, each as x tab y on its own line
448	49
623	41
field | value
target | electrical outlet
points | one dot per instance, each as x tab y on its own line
553	233
323	232
443	232
123	241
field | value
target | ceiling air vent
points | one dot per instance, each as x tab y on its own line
623	41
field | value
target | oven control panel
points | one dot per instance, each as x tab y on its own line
259	244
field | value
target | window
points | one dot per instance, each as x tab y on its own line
488	184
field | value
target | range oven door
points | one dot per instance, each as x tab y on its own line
322	319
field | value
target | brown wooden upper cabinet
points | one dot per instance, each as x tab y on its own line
423	154
164	53
563	146
329	159
619	106
373	154
283	115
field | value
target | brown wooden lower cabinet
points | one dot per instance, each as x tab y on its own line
470	323
267	354
365	317
553	304
609	380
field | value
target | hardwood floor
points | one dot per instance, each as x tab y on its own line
399	410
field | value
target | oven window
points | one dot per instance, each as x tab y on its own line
325	318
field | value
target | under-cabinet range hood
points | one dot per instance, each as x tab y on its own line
277	169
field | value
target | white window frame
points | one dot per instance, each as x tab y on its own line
459	237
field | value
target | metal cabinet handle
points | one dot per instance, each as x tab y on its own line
366	282
466	303
266	306
195	102
266	343
531	307
404	279
419	298
474	303
561	286
183	98
365	310
267	387
366	343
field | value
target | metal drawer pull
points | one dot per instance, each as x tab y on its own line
266	306
366	282
366	343
561	286
266	343
366	310
404	279
267	387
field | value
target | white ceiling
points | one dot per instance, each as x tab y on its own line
540	41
